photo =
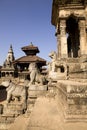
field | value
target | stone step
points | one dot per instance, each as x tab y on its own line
7	118
13	108
15	112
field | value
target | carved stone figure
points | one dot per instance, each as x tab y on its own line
14	91
53	57
35	75
57	68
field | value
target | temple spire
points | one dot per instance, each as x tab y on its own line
10	54
10	58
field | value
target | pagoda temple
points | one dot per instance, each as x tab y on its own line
23	62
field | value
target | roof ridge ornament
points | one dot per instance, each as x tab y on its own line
10	45
31	44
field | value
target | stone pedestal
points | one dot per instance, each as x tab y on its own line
74	99
14	109
6	120
10	112
34	91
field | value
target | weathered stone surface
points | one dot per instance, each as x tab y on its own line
20	123
37	87
49	116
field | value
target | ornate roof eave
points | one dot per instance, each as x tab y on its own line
54	12
27	62
30	47
29	59
7	69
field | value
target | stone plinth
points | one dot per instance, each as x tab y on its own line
77	70
54	76
10	112
37	87
14	108
34	91
6	120
74	99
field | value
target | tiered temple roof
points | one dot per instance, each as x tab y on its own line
30	52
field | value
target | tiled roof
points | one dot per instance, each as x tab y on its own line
30	58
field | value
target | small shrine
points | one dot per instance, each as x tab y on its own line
23	62
8	69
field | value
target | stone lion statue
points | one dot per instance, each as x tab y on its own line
53	57
35	75
14	91
57	68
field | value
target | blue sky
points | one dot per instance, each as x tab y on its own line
25	21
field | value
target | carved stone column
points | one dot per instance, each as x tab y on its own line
57	34
82	28
59	45
63	39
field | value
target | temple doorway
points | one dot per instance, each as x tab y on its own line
73	42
